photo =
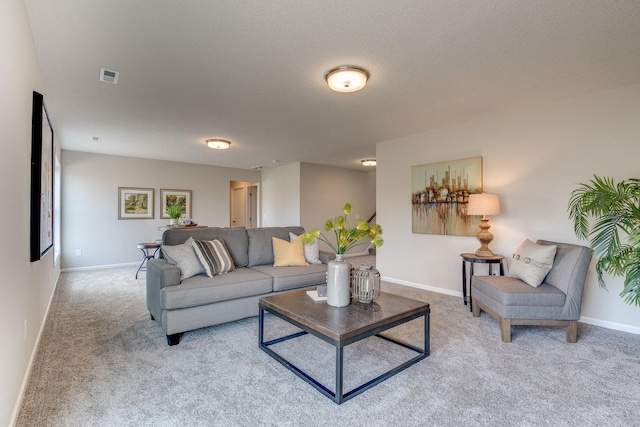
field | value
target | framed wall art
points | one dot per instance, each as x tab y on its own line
135	203
440	194
41	221
175	197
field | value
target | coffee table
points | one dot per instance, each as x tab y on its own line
341	326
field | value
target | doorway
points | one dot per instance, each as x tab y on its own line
243	204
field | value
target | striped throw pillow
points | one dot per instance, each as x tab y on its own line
214	256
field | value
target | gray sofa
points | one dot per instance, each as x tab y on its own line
202	301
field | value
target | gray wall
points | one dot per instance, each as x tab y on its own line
26	287
90	203
532	159
325	190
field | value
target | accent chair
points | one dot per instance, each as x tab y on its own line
556	302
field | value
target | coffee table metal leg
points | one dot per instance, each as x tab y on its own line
260	326
427	338
339	370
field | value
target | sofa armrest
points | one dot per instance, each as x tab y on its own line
160	274
326	256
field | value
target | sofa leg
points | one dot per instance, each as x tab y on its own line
475	309
174	339
505	329
572	331
152	318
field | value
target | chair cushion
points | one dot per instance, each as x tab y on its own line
513	299
531	262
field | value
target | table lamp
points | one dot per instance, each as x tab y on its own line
484	204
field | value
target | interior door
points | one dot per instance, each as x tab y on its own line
252	205
238	206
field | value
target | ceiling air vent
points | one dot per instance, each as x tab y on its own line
108	76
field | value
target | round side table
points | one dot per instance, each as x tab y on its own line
146	249
472	259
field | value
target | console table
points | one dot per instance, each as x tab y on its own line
472	259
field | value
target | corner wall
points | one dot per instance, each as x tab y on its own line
26	287
90	203
532	159
325	190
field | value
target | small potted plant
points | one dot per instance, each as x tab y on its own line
174	212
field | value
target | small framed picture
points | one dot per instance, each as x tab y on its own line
135	203
175	197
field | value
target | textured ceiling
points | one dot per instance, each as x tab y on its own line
253	71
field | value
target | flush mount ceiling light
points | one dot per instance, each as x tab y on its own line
218	144
347	78
368	162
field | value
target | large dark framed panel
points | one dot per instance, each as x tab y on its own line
41	180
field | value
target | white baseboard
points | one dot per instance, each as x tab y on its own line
99	267
423	286
588	320
27	374
610	325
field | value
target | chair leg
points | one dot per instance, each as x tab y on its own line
475	309
572	331
505	329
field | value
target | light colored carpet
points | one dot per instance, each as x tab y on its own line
103	362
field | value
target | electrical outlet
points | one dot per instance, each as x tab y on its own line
26	328
78	252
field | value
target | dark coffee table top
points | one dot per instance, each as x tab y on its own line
343	323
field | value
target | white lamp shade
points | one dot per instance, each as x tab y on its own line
347	78
483	204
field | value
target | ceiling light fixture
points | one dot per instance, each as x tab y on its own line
368	162
347	78
218	144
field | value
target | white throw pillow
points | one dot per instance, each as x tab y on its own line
311	250
532	262
183	256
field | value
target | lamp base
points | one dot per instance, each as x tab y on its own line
484	253
484	237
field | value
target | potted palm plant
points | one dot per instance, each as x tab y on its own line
608	214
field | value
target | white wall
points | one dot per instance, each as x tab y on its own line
90	203
325	190
532	160
25	288
281	196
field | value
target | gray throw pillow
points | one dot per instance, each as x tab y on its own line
184	257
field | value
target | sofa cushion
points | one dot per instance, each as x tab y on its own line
201	290
260	244
235	239
311	250
184	257
295	277
214	256
288	254
531	262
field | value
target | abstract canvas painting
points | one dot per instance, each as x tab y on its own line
440	194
